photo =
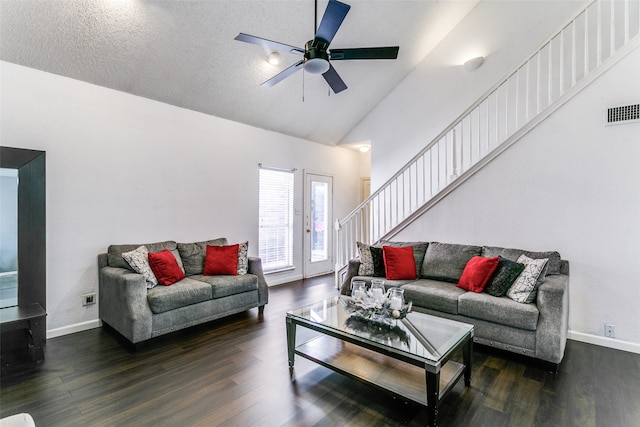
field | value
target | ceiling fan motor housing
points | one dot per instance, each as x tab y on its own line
316	58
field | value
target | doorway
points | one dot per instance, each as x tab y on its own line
318	220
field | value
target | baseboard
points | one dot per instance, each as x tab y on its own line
604	341
274	281
71	329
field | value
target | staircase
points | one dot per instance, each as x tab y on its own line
591	42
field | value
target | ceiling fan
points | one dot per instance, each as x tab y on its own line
316	53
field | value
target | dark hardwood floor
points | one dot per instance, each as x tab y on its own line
234	372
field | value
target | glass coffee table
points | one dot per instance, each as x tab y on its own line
409	357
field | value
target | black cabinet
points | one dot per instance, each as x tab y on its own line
24	327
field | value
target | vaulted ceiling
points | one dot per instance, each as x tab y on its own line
184	53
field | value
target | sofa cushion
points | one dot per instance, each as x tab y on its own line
433	294
525	288
185	292
193	254
419	249
399	263
114	252
223	286
446	261
138	259
502	310
221	260
504	276
513	254
477	272
165	267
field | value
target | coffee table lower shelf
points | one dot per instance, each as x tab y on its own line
396	376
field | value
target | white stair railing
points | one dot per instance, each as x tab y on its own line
590	43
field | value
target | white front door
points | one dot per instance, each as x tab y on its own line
318	220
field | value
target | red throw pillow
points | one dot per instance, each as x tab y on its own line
477	272
221	260
165	267
399	263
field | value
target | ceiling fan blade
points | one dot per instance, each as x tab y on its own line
334	80
390	52
283	74
331	21
269	44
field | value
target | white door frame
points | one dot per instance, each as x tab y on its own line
316	268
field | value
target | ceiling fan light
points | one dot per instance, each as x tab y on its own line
316	66
274	58
364	148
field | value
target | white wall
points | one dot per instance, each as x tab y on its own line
571	185
125	169
439	89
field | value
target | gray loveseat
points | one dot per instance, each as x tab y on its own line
138	313
537	329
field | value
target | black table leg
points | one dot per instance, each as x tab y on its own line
466	357
291	340
433	392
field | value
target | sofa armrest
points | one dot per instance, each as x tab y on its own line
352	271
255	267
103	261
123	303
553	324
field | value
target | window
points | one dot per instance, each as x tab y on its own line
275	238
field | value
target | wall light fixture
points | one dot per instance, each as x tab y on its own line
473	63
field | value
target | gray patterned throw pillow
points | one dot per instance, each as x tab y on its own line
366	260
526	285
243	258
138	259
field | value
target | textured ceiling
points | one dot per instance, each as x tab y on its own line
183	53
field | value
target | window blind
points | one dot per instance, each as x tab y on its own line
275	237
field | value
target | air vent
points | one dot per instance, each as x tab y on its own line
621	115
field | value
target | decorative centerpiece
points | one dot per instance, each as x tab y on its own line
375	304
381	332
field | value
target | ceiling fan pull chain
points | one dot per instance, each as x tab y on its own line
303	87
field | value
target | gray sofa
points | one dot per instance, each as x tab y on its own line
138	313
537	329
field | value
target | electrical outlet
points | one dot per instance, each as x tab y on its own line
88	299
609	330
